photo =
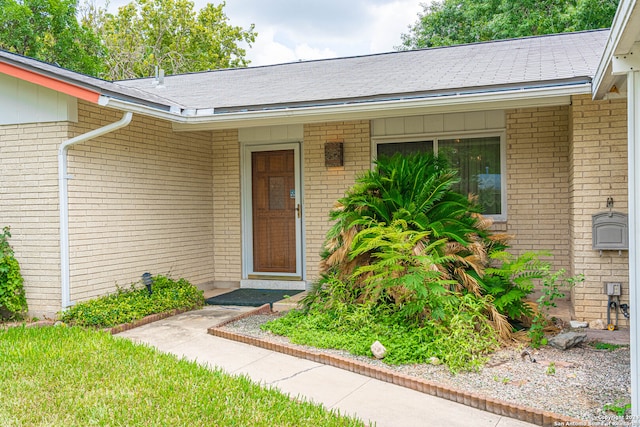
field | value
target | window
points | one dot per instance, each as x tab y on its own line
479	161
391	148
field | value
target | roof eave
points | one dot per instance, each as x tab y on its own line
520	98
619	42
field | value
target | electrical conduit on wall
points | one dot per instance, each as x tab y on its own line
65	275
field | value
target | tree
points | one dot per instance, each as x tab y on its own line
450	22
169	34
48	30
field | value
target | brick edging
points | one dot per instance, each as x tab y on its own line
494	406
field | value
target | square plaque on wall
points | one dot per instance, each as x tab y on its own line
333	154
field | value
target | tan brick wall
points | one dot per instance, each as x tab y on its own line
227	237
29	205
538	181
598	171
322	185
140	200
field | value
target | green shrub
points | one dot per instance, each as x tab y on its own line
127	305
13	303
553	286
513	280
460	340
413	264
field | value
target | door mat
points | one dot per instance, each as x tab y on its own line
251	297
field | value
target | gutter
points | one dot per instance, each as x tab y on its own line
64	200
372	109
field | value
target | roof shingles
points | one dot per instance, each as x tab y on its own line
524	61
516	63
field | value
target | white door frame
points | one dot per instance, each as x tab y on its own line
247	210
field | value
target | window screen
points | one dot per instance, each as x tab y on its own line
478	163
477	160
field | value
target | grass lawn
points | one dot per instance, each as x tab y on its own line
58	376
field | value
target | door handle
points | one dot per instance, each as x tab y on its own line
299	210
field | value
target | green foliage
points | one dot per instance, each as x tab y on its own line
460	340
415	189
411	263
618	408
450	22
551	369
78	377
13	303
397	273
599	345
553	286
48	30
513	280
127	305
171	35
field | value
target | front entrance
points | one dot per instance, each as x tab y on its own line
274	212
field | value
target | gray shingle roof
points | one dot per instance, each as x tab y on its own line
516	63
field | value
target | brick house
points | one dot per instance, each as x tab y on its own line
226	177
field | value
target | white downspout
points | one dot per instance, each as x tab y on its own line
633	106
64	200
629	64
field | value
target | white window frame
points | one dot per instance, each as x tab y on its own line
499	133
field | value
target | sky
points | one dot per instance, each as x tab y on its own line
295	30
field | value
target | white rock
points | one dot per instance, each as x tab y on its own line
576	324
434	360
378	350
597	324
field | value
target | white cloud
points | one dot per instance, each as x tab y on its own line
293	30
305	52
389	21
268	51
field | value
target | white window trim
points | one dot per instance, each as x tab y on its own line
435	137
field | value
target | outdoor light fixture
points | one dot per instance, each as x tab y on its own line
333	154
146	279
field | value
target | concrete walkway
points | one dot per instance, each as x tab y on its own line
371	400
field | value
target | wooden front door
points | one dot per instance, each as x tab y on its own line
274	211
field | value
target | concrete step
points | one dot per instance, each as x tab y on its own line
289	303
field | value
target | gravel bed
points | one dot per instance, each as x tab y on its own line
578	382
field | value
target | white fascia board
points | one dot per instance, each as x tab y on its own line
522	98
619	31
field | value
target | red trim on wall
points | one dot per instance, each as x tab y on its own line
49	82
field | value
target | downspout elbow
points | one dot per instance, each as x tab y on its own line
63	177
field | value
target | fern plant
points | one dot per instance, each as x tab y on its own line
405	240
13	303
513	280
404	270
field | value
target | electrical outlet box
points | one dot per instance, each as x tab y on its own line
613	288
